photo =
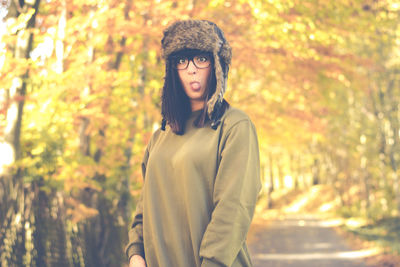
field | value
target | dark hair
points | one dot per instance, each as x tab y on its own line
175	106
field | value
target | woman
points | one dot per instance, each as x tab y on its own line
201	169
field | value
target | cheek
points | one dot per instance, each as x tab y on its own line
206	76
181	78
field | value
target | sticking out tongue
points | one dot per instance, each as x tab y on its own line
195	86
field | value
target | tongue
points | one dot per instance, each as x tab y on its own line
195	86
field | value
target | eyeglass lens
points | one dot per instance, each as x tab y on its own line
200	61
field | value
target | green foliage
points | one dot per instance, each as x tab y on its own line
385	232
318	79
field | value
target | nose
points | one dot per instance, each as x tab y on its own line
191	67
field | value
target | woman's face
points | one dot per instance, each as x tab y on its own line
194	77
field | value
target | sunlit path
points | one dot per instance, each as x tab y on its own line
302	241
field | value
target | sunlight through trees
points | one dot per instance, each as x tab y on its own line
79	98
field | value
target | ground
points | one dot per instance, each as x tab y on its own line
302	230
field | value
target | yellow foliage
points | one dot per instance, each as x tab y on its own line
20	23
78	211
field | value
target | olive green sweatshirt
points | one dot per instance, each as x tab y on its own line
199	194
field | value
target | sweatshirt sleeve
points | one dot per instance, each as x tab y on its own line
236	188
135	245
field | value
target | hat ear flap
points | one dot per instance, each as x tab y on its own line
220	86
226	53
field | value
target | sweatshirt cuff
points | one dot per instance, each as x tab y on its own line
209	263
135	249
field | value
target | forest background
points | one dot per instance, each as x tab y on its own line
80	96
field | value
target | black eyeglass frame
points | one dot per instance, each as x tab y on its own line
190	57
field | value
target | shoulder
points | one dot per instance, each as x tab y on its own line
156	134
236	122
153	139
234	116
237	129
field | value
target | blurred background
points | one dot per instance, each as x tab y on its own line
80	85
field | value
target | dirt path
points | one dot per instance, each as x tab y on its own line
300	241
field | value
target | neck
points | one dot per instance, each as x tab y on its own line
197	105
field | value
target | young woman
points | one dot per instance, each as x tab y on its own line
201	168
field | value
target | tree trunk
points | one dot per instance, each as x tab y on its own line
315	172
271	186
16	232
103	235
394	144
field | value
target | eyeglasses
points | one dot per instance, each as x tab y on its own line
200	61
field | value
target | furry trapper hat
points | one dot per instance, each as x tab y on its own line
205	36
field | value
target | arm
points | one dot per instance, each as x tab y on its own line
135	246
236	187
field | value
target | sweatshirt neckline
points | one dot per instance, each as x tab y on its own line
195	113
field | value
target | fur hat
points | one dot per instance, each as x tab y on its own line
205	36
